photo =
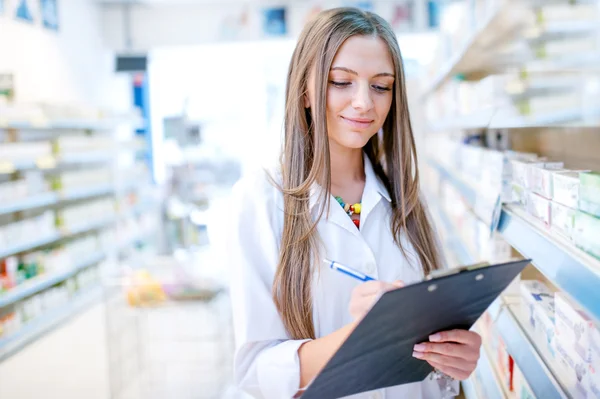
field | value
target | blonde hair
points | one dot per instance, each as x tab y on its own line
305	160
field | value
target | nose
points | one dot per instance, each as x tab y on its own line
361	99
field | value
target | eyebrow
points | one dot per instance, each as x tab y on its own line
356	73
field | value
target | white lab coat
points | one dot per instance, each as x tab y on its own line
266	359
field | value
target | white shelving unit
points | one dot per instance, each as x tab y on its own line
59	199
501	25
36	328
568	268
542	381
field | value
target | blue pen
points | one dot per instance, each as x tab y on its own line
347	270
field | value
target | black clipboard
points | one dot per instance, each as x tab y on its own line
378	353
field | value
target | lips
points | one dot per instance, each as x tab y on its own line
360	123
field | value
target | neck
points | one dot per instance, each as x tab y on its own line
346	165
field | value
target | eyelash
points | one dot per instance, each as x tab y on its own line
341	85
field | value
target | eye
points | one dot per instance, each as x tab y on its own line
339	84
381	89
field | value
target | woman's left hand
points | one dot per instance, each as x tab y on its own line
454	352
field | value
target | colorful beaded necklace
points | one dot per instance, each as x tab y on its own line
350	210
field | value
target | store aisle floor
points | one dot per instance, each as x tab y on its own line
68	363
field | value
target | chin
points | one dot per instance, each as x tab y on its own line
354	139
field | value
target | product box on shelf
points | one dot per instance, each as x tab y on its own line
539	306
542	178
565	188
521	387
519	194
77	143
87	213
81	178
539	176
8	273
595	345
562	219
586	232
573	328
539	207
520	171
595	365
573	371
566	12
564	47
589	192
471	161
10	322
24	231
505	365
30	151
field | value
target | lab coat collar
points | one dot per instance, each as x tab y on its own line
372	179
372	185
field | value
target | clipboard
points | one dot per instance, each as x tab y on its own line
378	353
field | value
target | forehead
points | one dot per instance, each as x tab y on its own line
364	54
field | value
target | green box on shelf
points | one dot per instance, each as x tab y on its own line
586	233
589	192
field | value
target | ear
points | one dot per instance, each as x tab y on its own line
306	101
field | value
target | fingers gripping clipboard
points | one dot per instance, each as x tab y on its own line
378	353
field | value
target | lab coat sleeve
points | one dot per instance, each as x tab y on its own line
266	361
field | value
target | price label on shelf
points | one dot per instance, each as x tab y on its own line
7	167
47	162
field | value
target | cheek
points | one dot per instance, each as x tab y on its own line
383	105
337	101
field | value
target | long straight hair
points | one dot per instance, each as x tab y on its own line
305	161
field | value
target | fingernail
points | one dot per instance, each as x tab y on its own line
435	337
419	348
418	355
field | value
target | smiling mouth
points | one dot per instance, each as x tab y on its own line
359	123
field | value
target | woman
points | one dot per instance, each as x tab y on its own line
291	313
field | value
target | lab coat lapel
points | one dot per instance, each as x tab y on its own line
374	191
338	216
334	214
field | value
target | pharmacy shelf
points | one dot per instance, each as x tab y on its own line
569	268
539	377
496	28
508	119
85	227
561	28
86	157
37	201
65	233
86	192
43	282
468	192
454	243
589	62
477	120
61	124
39	242
505	119
49	199
58	161
49	320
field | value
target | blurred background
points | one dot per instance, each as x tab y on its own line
125	124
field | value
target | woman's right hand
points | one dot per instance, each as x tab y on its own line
365	295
